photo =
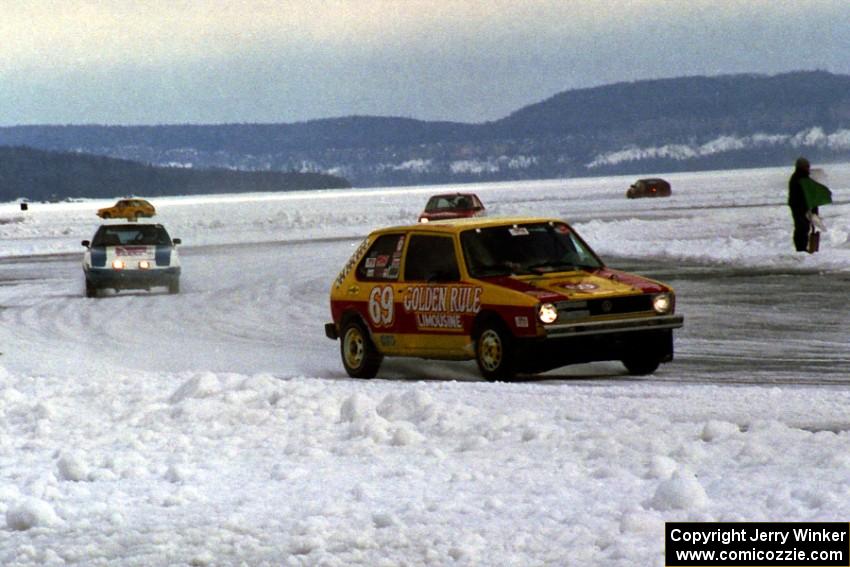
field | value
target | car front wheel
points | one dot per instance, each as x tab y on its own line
494	353
174	287
359	356
641	365
91	289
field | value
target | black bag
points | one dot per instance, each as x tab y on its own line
814	242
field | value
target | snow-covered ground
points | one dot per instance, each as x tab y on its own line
217	427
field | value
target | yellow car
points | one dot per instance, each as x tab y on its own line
130	209
519	295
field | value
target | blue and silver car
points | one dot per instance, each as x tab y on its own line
131	256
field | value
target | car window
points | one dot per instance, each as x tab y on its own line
525	249
383	259
431	258
131	235
441	202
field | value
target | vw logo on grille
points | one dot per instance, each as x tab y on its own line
606	306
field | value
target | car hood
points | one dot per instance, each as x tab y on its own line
579	285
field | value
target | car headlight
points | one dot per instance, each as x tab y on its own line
423	219
144	265
662	303
547	313
117	264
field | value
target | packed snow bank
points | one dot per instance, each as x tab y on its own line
212	468
712	217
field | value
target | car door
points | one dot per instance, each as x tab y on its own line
436	308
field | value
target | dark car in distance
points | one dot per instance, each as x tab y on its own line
650	187
452	206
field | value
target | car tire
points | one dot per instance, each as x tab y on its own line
641	365
359	356
91	289
174	287
494	353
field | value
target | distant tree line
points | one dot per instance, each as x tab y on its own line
562	136
40	175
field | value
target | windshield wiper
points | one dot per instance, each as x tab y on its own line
540	268
501	269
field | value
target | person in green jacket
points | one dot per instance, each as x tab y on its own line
797	202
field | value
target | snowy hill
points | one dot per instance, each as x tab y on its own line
679	124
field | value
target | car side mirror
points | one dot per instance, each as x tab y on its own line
176	241
86	243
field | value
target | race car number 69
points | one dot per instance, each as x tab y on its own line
381	309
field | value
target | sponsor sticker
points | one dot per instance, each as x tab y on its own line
521	322
370	262
130	250
382	261
442	306
518	231
578	286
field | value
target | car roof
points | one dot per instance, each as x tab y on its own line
130	225
454	226
453	195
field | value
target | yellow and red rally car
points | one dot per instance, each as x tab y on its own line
130	209
517	295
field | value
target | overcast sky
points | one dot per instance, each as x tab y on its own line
207	61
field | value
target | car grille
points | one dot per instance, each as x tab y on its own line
570	310
615	305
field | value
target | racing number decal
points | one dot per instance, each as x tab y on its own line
381	308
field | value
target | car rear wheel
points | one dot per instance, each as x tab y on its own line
494	353
91	289
641	365
359	356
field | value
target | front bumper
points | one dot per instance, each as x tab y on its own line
132	279
619	326
573	343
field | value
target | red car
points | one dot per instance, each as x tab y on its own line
653	187
452	206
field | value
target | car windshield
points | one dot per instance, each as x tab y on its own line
142	235
449	202
534	248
